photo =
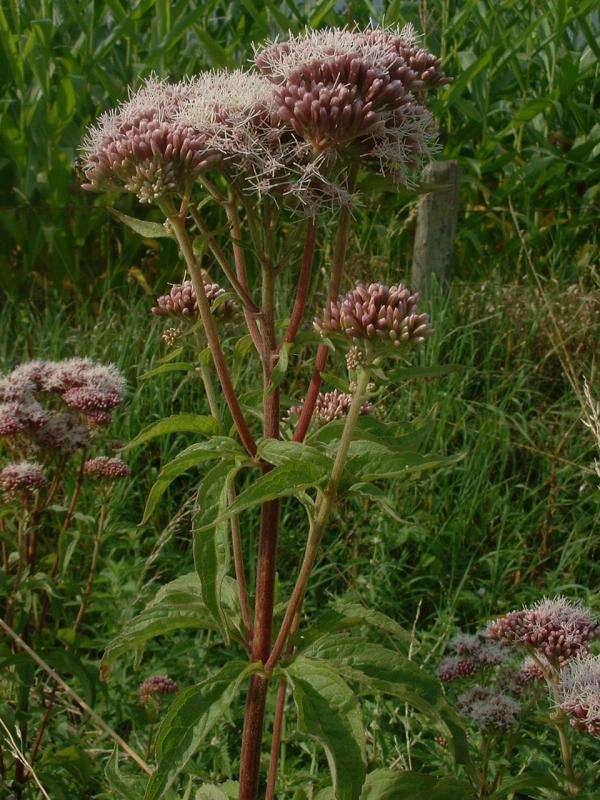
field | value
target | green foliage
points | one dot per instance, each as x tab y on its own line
519	117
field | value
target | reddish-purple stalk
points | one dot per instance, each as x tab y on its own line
212	336
303	281
339	256
267	565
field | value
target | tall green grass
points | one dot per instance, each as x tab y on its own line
520	117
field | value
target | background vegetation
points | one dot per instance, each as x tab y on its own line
519	516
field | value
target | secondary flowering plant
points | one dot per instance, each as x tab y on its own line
534	663
274	152
53	414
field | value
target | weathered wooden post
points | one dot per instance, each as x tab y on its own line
437	214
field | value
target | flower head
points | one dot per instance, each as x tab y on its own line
558	629
21	476
580	694
104	468
377	313
141	148
156	687
489	709
351	93
181	301
331	405
453	668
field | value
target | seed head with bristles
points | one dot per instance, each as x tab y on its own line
580	694
377	313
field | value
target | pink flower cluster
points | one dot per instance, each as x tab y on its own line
329	406
557	629
93	390
377	313
473	654
333	95
580	694
352	93
181	301
489	709
105	468
22	476
157	686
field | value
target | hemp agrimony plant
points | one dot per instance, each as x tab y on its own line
52	416
273	154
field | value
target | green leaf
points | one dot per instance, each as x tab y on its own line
184	611
384	671
387	784
278	452
65	662
172	366
531	110
217	447
333	380
529	781
328	712
368	429
178	423
127	788
191	716
406	373
212	556
286	480
280	369
149	230
375	465
346	616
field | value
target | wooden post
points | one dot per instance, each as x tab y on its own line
437	214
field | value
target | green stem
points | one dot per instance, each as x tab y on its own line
323	508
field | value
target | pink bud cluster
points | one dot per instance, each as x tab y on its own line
105	468
331	405
352	93
558	629
23	476
140	148
377	313
473	654
181	302
157	686
580	694
489	709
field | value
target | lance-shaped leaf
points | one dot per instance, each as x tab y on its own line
345	616
278	452
435	371
328	712
387	784
384	671
212	554
127	788
164	369
287	480
149	230
178	423
191	716
187	612
372	465
221	447
392	436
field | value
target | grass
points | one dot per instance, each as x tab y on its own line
520	118
514	520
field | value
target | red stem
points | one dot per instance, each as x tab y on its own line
303	281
